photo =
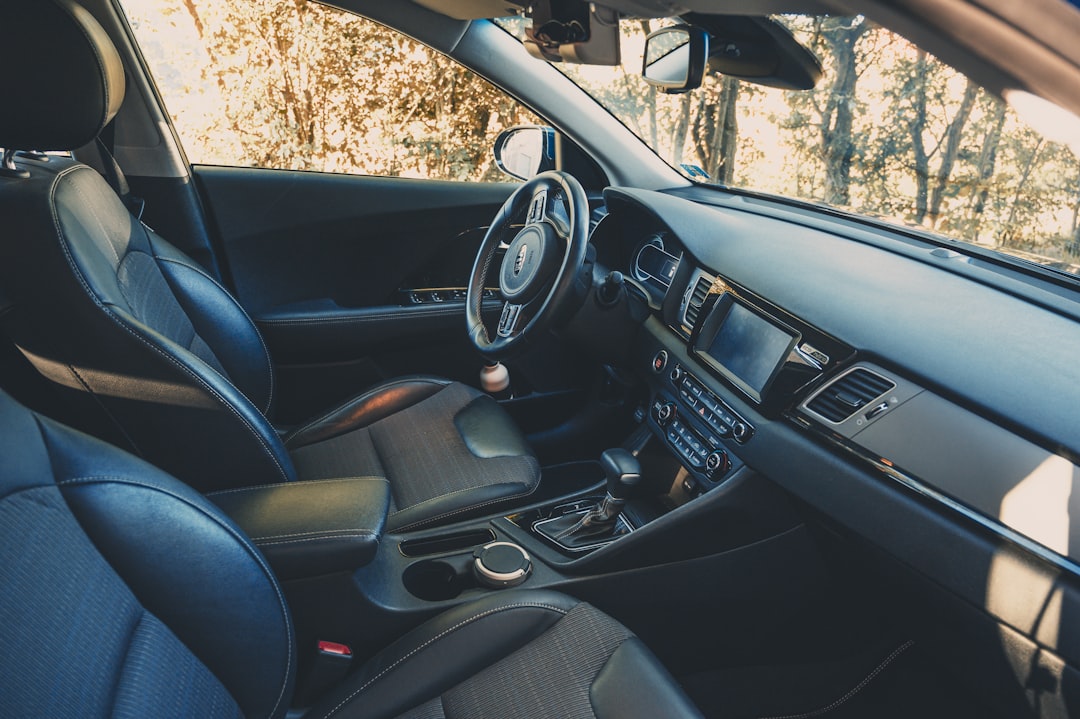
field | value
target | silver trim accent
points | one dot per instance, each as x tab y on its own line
948	502
698	275
504	578
811	353
621	520
805	404
641	275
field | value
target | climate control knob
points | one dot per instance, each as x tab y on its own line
717	464
665	412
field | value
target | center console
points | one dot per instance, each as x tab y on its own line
692	421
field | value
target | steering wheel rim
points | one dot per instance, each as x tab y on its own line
538	306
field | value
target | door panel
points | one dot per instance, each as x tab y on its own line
294	239
338	273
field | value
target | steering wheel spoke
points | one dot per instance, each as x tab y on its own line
537	207
508	321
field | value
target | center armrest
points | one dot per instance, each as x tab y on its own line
314	527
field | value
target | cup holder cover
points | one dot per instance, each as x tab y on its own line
501	564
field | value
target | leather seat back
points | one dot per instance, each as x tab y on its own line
155	355
125	593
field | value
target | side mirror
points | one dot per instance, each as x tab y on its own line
524	152
675	58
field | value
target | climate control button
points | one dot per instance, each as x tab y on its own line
665	412
717	464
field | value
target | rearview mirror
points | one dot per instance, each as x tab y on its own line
526	151
754	49
675	58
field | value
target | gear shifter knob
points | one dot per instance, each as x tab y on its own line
622	470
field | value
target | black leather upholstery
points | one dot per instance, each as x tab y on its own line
311	528
154	355
85	87
97	314
153	553
186	564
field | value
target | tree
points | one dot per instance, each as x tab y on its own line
310	87
841	36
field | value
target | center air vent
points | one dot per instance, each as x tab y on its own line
849	394
696	299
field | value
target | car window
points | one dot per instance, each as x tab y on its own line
302	86
890	132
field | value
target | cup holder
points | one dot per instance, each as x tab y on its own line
435	580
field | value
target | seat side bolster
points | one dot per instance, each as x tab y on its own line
366	409
223	324
444	652
221	599
633	684
485	431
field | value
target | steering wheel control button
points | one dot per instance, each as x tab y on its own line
509	319
536	208
501	564
659	361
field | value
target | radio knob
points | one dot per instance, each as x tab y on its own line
740	431
717	464
677	374
665	412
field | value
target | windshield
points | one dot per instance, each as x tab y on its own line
889	132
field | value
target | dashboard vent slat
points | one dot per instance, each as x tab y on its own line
697	299
849	394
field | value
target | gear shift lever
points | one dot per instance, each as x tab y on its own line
623	473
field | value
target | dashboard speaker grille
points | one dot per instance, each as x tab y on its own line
697	299
849	394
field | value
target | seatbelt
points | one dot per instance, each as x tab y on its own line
110	170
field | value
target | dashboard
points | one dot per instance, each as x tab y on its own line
923	399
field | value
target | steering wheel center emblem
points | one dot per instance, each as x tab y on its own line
519	261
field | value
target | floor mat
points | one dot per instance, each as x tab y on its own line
883	682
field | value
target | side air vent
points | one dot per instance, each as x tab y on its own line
695	301
849	394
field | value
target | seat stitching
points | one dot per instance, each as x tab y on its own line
101	225
314	539
266	350
429	642
858	687
108	313
320	534
228	405
101	479
421	522
294	484
450	494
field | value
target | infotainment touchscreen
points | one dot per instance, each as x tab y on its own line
747	348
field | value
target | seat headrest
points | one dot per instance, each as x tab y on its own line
63	79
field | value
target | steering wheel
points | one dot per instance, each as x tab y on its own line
540	278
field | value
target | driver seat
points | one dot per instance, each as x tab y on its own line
154	355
